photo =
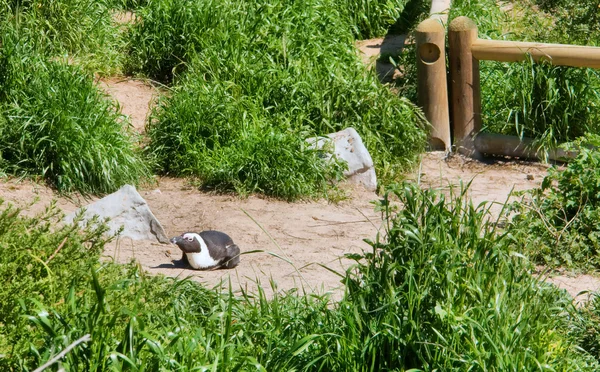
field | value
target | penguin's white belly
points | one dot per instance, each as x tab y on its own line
201	260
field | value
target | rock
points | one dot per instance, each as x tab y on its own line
126	208
349	147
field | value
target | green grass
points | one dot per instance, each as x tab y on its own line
287	71
370	19
56	123
81	30
445	290
552	104
441	289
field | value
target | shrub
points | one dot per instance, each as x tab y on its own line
559	221
577	22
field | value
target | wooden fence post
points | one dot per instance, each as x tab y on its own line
432	81
465	90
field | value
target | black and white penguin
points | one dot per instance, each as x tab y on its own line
208	250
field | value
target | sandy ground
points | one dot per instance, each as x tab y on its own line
292	245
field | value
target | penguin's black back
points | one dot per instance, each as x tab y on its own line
221	248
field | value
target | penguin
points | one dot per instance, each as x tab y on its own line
208	250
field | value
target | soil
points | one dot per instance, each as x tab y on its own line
286	246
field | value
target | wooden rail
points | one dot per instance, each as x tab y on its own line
516	51
465	50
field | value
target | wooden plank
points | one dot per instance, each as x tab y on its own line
558	54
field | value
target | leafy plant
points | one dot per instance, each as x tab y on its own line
558	224
577	22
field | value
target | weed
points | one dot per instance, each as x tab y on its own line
558	224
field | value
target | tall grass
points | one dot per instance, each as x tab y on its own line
285	71
552	104
57	123
369	19
441	290
444	290
83	30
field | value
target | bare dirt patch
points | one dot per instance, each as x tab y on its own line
490	181
135	98
375	53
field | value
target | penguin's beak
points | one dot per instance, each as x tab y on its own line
176	239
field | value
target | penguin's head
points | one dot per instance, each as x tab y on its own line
188	242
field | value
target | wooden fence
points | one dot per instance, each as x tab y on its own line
465	50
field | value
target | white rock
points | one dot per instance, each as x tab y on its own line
126	208
349	147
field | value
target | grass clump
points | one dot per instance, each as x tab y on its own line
559	220
445	290
296	76
57	124
369	19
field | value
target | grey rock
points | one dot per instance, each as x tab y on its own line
126	208
348	146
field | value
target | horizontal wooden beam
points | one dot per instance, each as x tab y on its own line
557	54
513	146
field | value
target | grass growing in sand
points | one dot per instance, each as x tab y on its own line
55	122
252	86
441	289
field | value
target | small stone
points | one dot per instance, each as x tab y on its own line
348	146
